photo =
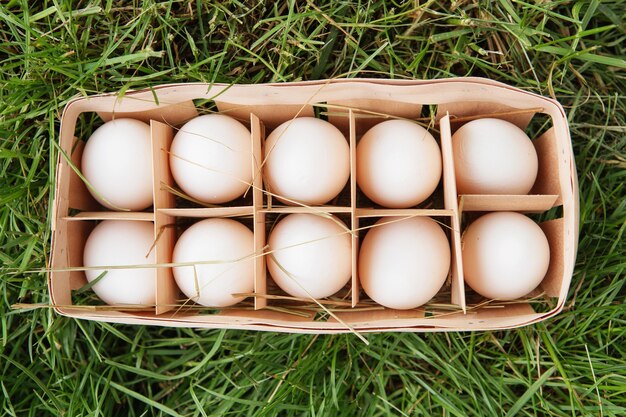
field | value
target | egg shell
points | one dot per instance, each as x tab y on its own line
211	158
310	255
117	243
404	262
307	160
230	246
505	255
493	156
117	163
398	164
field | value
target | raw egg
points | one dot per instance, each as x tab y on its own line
223	250
310	255
117	162
118	243
211	158
398	164
493	156
306	160
505	255
404	262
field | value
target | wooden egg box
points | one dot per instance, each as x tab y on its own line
353	106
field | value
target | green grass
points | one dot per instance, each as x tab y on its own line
574	364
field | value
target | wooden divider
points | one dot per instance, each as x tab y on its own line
354	220
164	232
206	212
260	271
111	215
302	209
537	203
450	202
385	212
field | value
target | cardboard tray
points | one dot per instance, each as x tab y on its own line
353	105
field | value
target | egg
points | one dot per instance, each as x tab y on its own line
493	156
306	160
211	158
118	243
117	163
404	262
398	164
505	255
310	255
223	250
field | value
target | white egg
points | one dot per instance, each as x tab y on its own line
227	247
505	255
493	156
310	255
118	243
117	162
211	158
398	164
306	160
404	262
